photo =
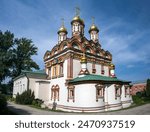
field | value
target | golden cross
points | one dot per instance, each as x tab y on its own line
93	19
62	20
77	11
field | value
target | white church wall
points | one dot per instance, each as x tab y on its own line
89	67
36	90
62	90
34	86
20	85
98	69
106	73
85	99
76	68
114	103
43	91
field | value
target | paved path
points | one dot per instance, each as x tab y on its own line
27	110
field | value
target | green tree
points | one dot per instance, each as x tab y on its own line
6	45
15	55
148	88
3	104
22	56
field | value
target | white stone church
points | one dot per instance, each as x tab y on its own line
79	75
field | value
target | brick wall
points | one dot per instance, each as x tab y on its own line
138	88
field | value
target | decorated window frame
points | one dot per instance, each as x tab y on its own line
102	69
71	93
100	91
55	93
118	91
127	90
61	69
93	68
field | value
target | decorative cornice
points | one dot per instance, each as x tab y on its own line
83	44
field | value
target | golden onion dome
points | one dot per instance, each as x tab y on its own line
77	19
112	66
62	29
83	59
93	28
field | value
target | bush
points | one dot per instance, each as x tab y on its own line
3	104
8	97
148	88
25	98
137	99
37	102
139	94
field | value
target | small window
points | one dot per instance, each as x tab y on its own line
98	53
75	46
117	91
102	70
127	90
87	50
55	93
65	46
48	56
49	72
55	52
61	69
71	93
99	91
93	68
55	71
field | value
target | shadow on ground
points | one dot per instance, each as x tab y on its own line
17	111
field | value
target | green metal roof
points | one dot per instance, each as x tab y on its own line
40	74
92	77
34	72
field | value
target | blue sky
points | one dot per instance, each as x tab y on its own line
124	28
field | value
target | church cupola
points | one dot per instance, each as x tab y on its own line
62	33
112	70
77	25
94	32
83	61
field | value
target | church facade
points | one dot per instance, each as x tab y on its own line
79	75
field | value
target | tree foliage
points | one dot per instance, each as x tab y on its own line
148	88
15	55
6	45
22	56
3	104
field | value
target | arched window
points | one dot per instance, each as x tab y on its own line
88	50
65	46
55	93
48	55
61	72
71	93
75	46
99	91
55	52
98	53
117	90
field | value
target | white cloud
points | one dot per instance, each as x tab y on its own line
126	48
130	66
